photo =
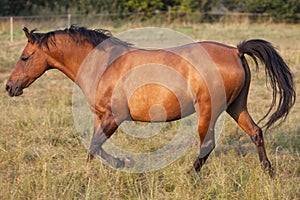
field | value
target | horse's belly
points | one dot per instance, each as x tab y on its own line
155	103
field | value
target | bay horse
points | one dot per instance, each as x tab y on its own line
211	78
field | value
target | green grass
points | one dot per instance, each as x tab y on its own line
42	156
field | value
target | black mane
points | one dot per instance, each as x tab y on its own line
79	35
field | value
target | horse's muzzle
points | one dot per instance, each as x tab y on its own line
14	89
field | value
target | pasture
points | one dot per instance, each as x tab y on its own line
42	156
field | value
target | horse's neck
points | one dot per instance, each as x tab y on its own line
93	66
67	59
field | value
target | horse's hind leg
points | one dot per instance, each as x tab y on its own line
239	113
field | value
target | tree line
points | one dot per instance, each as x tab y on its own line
278	9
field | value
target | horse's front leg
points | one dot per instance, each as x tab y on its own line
103	130
97	123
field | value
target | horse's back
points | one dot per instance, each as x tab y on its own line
216	62
163	85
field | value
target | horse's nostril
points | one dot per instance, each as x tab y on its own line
7	87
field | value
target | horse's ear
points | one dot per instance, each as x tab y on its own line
29	36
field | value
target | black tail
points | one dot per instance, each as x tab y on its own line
279	75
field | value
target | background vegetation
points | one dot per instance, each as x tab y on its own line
287	10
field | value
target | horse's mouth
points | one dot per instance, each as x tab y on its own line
16	93
14	90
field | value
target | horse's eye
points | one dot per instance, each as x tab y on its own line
24	58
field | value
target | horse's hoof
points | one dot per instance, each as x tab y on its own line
272	172
129	162
89	158
191	171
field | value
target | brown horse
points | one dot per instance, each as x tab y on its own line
122	82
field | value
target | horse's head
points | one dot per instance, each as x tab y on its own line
31	65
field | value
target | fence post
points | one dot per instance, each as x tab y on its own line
11	29
69	20
169	14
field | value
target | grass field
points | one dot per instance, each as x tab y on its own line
42	157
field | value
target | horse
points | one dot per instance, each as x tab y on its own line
203	77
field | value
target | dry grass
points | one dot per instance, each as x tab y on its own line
42	157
